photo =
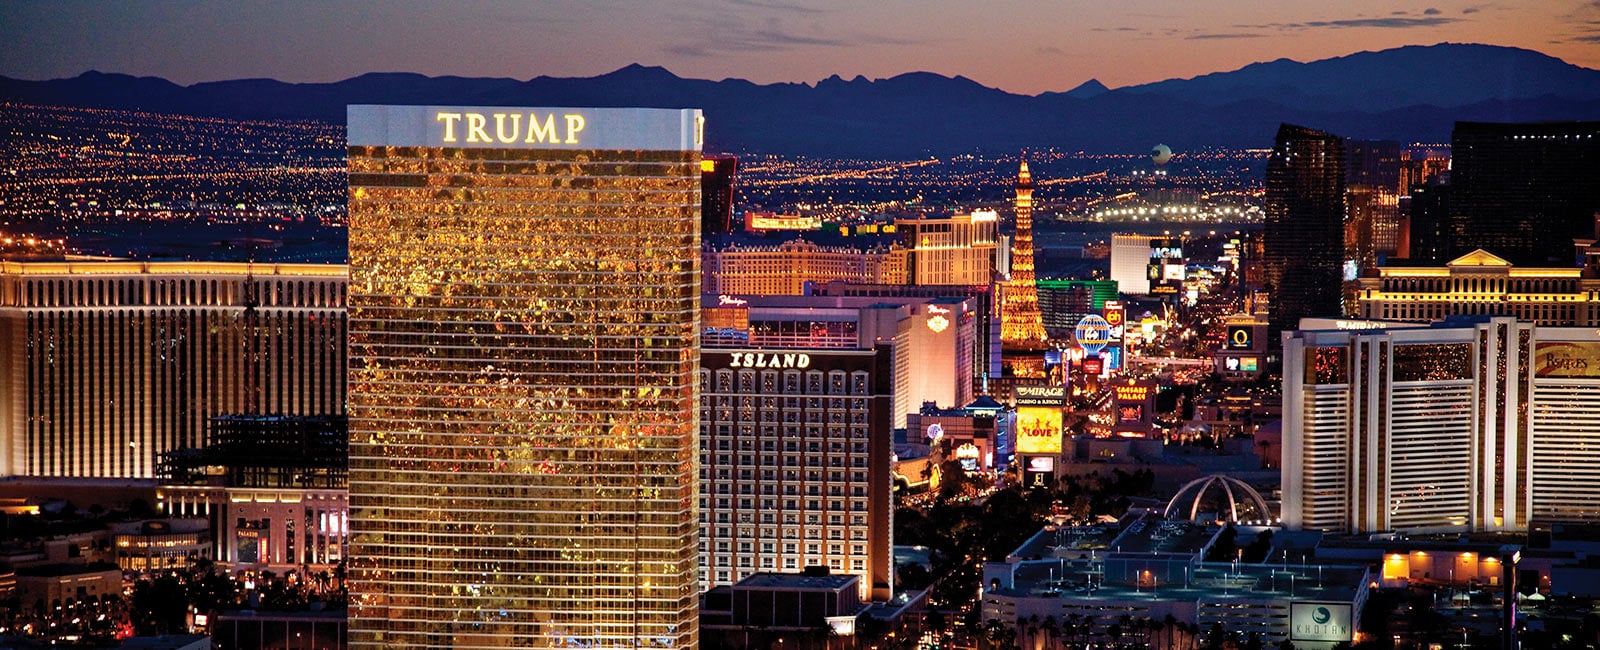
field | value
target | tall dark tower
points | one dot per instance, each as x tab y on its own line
1372	201
717	175
1304	233
1523	191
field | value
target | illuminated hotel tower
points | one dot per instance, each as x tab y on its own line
523	387
104	366
1021	326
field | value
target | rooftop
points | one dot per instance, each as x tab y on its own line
1082	581
798	582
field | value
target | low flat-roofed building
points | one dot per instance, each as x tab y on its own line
171	642
160	544
270	630
782	604
1125	580
58	582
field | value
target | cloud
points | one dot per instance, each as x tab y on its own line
1384	23
1223	35
1431	11
1392	22
1592	38
734	36
779	6
1050	50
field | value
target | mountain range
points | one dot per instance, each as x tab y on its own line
1411	94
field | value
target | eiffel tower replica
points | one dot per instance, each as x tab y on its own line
1021	325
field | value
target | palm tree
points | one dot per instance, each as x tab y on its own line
1152	629
1051	631
992	629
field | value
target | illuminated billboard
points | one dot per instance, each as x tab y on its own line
1113	357
1320	622
1092	334
1241	337
1132	393
1114	313
1040	472
1053	396
1573	359
1093	366
1038	430
967	455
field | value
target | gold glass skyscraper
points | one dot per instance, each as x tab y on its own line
524	300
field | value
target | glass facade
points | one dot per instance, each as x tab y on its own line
523	395
1433	362
1303	234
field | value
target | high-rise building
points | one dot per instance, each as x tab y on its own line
1373	163
1422	165
104	366
718	174
949	249
1021	327
1062	303
1472	424
1372	201
1142	265
786	269
944	250
523	384
795	464
933	338
1372	225
1130	259
1483	284
1428	223
1523	191
985	313
1304	228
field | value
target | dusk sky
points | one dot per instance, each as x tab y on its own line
1023	47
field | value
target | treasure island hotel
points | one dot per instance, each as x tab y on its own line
524	302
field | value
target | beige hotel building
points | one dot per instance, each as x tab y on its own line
104	366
